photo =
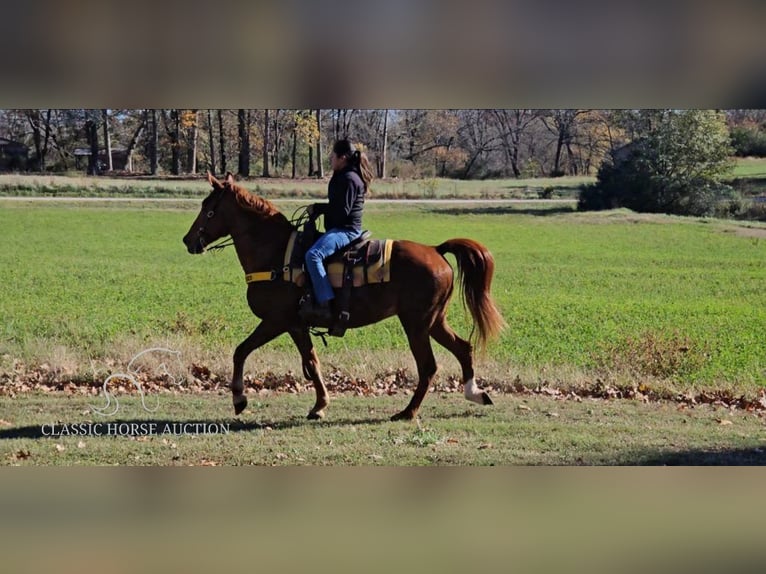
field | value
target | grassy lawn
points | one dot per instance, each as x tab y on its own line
517	430
610	293
613	298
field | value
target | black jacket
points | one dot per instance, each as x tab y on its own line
345	193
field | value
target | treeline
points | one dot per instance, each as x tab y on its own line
468	144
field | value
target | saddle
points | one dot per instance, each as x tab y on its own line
361	262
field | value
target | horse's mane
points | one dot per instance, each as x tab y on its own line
252	202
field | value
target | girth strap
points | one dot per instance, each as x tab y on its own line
274	274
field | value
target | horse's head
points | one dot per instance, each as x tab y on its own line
212	222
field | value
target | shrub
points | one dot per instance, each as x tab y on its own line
675	166
748	141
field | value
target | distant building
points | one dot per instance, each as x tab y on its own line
13	155
119	159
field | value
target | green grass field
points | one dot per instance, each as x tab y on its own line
55	429
604	301
613	295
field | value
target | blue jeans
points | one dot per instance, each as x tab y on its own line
325	246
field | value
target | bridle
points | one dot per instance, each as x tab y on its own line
209	215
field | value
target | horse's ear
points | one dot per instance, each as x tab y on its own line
212	180
229	178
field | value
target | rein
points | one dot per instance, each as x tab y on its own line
221	245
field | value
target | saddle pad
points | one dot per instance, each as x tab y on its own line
377	272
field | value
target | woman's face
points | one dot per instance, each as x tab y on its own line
337	163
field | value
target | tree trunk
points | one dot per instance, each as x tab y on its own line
91	127
311	160
320	167
134	140
175	142
557	161
154	143
222	141
41	141
266	144
243	128
191	152
211	141
294	153
384	149
107	141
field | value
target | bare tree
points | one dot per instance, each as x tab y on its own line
154	143
91	131
41	130
107	140
512	126
384	147
243	130
134	139
562	124
320	167
191	126
211	140
266	142
222	141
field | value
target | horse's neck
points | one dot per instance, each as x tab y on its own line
261	242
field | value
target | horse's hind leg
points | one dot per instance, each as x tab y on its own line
311	370
463	351
264	332
420	345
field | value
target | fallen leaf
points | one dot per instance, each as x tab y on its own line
60	447
4	423
81	444
453	441
22	454
552	414
485	446
524	408
724	422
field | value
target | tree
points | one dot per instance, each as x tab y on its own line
41	131
190	125
675	164
266	143
154	151
512	126
320	167
91	132
243	131
107	140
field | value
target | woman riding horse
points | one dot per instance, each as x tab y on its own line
418	292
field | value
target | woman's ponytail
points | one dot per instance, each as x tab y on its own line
357	159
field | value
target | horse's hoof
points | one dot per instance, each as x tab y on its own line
315	415
405	415
487	400
240	404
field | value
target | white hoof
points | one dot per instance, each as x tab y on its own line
473	393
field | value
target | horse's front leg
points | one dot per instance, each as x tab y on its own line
311	370
264	332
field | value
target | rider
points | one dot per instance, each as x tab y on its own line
342	220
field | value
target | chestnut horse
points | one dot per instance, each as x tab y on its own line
418	293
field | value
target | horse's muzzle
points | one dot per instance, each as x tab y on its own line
194	245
